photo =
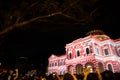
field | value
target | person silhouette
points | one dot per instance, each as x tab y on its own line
69	76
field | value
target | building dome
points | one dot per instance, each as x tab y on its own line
95	32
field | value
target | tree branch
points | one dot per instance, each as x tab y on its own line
18	24
62	12
72	4
92	12
10	28
26	10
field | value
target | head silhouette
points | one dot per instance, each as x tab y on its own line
69	76
108	75
92	76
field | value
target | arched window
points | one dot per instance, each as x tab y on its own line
70	68
52	64
78	53
79	69
55	63
61	73
90	64
100	65
110	67
70	55
106	51
87	51
97	50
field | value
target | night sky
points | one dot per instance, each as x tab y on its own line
37	41
38	45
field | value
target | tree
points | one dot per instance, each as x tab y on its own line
15	14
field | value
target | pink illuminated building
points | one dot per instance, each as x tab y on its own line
95	50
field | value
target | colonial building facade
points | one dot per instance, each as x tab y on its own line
97	51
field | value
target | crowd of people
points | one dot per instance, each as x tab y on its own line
10	74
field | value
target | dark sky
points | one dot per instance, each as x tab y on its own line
39	45
37	41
